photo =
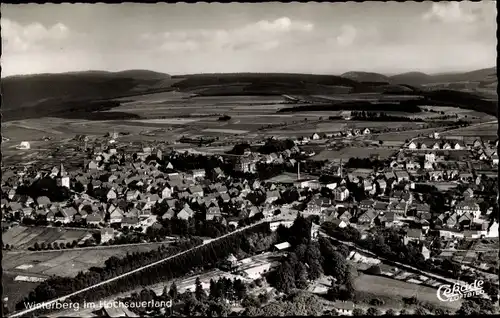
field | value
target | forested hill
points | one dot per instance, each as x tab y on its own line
30	90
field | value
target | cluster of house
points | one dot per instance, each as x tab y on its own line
346	133
129	189
248	162
464	219
481	150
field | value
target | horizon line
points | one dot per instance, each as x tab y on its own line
246	72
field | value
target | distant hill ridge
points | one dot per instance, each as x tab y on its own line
36	95
366	77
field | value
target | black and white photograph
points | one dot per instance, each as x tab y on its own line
249	159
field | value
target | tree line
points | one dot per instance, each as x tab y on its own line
380	116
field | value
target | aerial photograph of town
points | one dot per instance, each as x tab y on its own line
249	160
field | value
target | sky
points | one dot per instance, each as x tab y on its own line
320	38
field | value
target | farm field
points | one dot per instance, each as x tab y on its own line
487	129
65	262
226	131
168	121
352	152
393	288
24	237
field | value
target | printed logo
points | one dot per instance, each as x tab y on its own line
451	293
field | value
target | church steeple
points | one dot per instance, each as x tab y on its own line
62	172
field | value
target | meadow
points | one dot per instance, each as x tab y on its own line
396	289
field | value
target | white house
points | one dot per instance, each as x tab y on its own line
24	145
315	136
166	193
65	182
494	159
274	225
111	195
468	206
198	173
255	272
493	230
107	234
116	216
412	145
366	131
341	194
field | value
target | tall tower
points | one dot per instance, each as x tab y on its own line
298	170
62	172
341	168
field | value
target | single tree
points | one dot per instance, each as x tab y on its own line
199	292
372	311
358	312
173	291
420	311
390	312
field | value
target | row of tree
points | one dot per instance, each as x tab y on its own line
380	116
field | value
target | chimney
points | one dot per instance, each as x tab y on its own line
298	170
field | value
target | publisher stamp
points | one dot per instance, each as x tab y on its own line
449	293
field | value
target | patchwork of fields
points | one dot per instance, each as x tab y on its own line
59	263
65	262
24	237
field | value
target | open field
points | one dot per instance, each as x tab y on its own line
226	131
393	288
486	129
156	97
352	152
168	121
24	237
65	262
